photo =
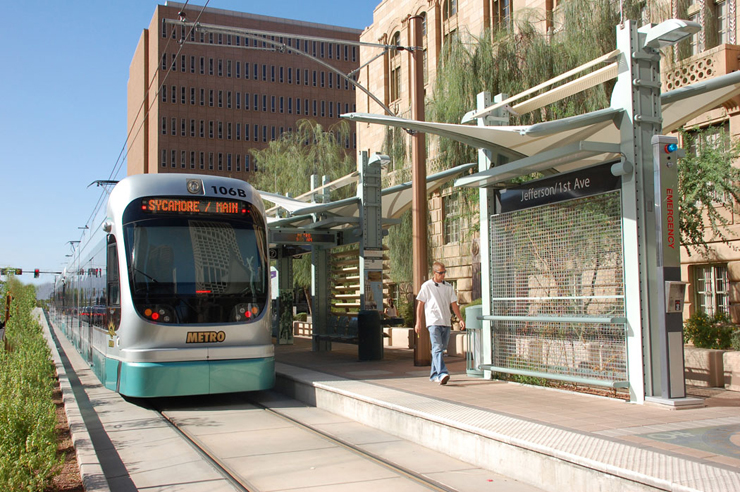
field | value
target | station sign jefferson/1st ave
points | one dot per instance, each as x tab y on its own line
567	186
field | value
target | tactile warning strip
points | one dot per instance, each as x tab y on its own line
594	452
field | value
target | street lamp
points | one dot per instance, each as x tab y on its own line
669	32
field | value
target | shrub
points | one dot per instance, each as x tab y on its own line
735	340
28	449
709	332
301	317
406	311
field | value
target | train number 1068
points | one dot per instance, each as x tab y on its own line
222	190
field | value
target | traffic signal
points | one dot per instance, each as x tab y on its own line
36	273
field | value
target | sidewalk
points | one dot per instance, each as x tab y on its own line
553	439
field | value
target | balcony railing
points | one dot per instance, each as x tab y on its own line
711	63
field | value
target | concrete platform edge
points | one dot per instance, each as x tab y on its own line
91	472
544	466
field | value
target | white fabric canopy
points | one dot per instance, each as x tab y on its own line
678	107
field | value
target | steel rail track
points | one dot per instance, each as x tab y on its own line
244	485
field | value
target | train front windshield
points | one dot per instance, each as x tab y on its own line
196	260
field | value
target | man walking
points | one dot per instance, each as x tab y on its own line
435	298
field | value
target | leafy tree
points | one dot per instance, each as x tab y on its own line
286	165
511	61
708	187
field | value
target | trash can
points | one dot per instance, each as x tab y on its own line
369	335
474	354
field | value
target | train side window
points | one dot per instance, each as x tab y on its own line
113	287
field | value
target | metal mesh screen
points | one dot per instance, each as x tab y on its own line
558	261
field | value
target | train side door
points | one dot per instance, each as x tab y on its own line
113	290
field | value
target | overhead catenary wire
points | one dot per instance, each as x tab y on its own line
262	37
123	154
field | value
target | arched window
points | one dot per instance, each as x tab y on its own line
394	69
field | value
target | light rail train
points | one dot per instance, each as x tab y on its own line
174	299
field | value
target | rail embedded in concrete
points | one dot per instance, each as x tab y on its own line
547	457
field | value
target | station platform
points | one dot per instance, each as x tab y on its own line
550	438
540	438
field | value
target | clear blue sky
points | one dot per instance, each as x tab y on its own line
63	109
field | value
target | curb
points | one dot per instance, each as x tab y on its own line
91	472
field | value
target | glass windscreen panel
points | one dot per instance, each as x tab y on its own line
196	260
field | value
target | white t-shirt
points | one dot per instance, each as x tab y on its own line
437	298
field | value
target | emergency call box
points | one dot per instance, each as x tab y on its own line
674	296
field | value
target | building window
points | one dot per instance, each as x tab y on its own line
501	15
164	158
173	127
452	217
394	91
721	14
711	289
173	158
449	8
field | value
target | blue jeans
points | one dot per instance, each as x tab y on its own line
440	337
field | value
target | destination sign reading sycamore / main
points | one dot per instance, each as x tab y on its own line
195	206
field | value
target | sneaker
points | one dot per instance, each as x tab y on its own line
443	380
